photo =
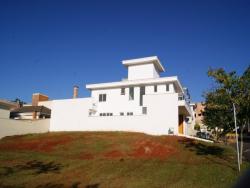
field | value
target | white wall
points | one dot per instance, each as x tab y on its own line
144	71
116	103
72	115
9	127
4	113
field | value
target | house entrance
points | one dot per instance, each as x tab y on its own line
180	127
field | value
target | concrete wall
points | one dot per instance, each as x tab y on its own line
73	115
9	127
116	103
142	72
4	113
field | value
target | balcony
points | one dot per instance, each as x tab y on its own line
184	107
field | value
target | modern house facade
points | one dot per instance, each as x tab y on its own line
144	102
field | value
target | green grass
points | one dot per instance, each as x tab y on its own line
114	159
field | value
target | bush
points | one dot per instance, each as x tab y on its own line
197	127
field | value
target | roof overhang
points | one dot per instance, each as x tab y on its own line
7	105
142	82
145	60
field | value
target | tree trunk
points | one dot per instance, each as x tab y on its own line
241	142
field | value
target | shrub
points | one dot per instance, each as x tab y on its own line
197	127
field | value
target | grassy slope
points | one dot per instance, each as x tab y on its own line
113	159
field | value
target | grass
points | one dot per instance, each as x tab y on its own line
113	159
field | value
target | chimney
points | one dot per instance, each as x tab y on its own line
75	92
36	98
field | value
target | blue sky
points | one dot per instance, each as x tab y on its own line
49	46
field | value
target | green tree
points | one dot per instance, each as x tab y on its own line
229	88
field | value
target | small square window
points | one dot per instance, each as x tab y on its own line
167	87
123	91
102	97
155	88
121	113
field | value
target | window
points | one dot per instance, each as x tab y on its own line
167	87
129	113
121	113
142	92
101	114
102	97
155	88
144	110
131	93
122	91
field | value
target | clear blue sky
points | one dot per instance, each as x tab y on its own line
49	46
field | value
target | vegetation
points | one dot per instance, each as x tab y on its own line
229	89
114	159
197	127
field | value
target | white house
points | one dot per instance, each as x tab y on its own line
144	102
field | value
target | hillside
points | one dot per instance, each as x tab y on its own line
113	159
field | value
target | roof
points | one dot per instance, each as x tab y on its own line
127	83
24	109
145	60
7	105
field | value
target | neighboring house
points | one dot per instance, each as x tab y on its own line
6	107
27	112
32	111
199	109
144	102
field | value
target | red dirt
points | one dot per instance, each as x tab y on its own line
152	149
114	154
86	156
41	145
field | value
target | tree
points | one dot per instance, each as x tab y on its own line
218	102
19	102
229	89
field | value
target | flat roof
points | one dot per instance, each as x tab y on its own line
127	83
145	60
7	105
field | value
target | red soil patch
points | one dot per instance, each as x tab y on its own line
114	154
151	149
42	145
86	156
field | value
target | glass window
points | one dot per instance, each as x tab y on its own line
155	88
131	93
121	113
122	91
102	97
167	87
144	110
